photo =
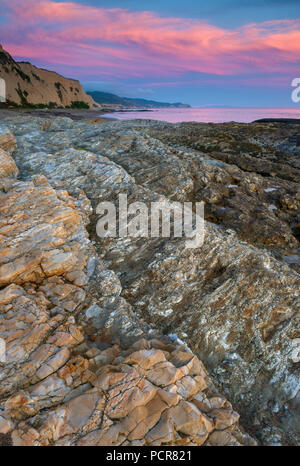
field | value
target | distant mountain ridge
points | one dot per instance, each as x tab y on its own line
27	85
113	99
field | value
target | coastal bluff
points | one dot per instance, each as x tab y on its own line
28	85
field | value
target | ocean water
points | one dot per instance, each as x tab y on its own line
208	115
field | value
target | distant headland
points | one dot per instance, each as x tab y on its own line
113	99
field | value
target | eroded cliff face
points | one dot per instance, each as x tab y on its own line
27	84
92	325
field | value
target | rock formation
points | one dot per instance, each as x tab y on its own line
106	338
28	85
2	90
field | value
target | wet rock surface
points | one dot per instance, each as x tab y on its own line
95	329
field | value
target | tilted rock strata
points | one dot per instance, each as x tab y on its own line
62	383
8	166
7	141
235	303
31	250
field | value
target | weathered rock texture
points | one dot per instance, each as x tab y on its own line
83	317
27	84
62	383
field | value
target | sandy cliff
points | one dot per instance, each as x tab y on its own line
27	84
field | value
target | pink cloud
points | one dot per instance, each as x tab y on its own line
139	43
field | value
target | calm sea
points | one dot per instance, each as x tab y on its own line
206	115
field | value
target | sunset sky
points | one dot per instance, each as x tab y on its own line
217	52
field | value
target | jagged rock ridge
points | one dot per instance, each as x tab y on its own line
235	300
66	379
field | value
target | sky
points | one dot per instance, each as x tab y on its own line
204	53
